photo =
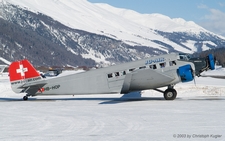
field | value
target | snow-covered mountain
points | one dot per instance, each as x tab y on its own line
97	32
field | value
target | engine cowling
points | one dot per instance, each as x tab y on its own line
211	62
186	73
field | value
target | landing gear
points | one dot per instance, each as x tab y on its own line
25	98
170	94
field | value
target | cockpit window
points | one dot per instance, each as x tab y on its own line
183	56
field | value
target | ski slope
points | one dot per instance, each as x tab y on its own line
196	114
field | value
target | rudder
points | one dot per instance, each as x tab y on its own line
21	72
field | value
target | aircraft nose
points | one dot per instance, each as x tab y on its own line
186	73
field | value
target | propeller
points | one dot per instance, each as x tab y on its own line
193	75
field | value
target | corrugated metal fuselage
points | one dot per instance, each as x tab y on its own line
123	78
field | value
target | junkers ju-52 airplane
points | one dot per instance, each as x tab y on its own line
152	73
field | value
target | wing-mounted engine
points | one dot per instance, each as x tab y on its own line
202	64
185	73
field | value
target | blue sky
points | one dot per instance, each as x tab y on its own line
209	14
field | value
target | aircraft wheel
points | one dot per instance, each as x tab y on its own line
25	98
170	94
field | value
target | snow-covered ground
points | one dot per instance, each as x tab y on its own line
198	113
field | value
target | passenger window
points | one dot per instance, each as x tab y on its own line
162	65
143	67
131	69
173	63
117	74
124	72
152	66
110	75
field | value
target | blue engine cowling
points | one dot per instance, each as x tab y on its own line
211	62
185	73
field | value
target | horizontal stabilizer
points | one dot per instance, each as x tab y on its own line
32	89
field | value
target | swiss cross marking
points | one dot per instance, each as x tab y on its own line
22	70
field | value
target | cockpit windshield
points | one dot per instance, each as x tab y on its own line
183	56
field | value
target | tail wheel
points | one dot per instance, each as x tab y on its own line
170	94
25	98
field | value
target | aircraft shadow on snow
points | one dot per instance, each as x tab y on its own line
131	97
110	100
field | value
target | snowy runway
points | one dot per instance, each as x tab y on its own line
198	113
111	118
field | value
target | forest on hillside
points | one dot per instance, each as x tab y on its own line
17	43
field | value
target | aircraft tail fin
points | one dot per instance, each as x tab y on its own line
22	72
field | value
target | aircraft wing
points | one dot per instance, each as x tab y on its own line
165	77
145	79
157	75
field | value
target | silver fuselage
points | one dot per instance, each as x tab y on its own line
123	78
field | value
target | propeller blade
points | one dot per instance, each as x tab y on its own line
193	74
194	82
